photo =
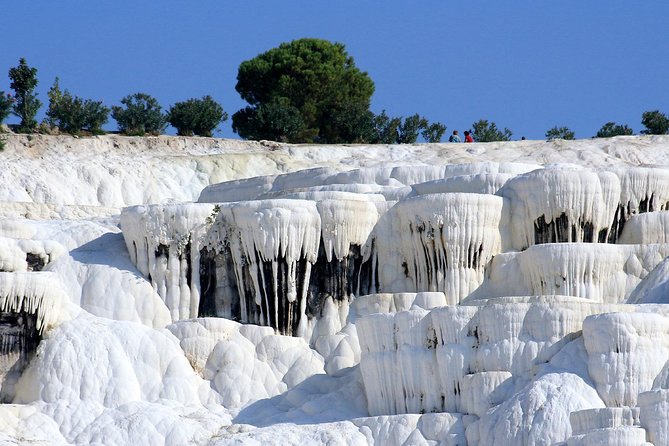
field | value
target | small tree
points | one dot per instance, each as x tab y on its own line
559	133
96	115
611	129
55	96
24	81
386	129
71	114
142	114
6	102
410	128
196	116
434	132
656	123
488	132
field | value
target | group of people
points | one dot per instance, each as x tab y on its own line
455	137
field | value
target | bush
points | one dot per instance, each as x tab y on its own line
488	132
24	81
6	102
71	114
656	123
142	114
611	129
276	121
559	133
196	116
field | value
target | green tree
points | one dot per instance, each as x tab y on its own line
386	129
314	76
196	116
142	114
410	128
352	123
71	114
26	106
434	132
559	133
656	123
611	129
55	96
276	120
483	131
6	102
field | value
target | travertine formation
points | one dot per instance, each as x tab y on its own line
387	302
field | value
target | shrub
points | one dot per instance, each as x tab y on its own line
483	131
276	120
611	129
656	123
71	114
6	102
142	114
24	81
196	116
559	133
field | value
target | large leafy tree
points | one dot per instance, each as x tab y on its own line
26	105
315	77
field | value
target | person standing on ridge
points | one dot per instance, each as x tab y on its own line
454	137
468	137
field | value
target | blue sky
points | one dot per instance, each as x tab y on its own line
527	65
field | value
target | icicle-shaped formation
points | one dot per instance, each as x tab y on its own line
345	223
560	205
36	293
272	244
439	242
605	273
164	243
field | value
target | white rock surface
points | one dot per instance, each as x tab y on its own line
430	303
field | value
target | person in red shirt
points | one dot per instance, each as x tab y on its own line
468	137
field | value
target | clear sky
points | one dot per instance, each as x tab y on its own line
527	65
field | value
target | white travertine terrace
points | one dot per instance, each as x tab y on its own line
458	294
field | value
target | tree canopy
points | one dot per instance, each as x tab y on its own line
316	77
559	133
611	129
484	131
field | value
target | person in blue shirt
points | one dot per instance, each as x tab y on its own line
454	137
